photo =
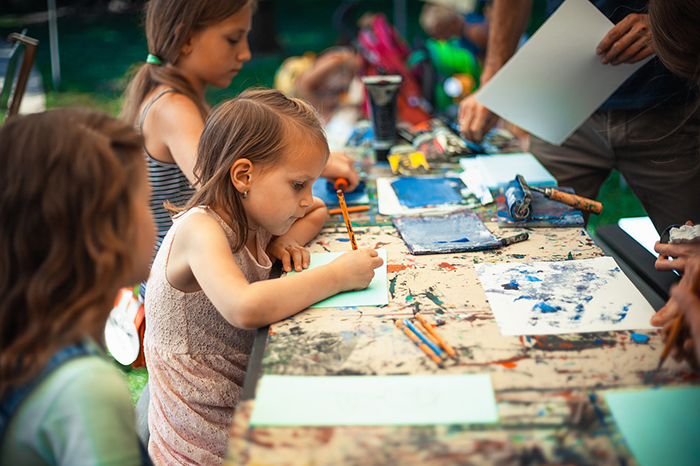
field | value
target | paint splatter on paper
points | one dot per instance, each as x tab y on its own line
460	231
546	298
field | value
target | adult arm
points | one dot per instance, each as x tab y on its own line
508	22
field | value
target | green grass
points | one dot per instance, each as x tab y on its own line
97	50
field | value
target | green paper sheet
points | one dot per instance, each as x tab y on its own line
376	294
283	400
661	426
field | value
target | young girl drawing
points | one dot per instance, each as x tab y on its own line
258	157
192	44
76	227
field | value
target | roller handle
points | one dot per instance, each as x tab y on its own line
579	202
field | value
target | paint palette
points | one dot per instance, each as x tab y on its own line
460	231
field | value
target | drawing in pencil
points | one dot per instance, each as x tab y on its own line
545	298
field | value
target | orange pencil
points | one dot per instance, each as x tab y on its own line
431	337
355	208
348	225
453	354
426	349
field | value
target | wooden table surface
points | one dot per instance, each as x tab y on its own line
549	389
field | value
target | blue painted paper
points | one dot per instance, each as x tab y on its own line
660	426
459	231
414	191
573	296
324	190
544	212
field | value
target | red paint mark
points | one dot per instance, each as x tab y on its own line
567	345
322	243
380	244
522	340
509	365
271	332
445	265
690	377
394	267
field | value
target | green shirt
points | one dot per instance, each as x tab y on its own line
80	415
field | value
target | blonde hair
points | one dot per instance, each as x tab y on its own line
66	197
256	126
169	24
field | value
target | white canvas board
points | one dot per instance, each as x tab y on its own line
555	81
548	298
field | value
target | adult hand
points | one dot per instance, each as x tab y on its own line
629	41
675	256
475	120
687	301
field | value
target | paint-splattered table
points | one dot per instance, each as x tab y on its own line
549	389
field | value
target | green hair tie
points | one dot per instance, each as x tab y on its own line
153	60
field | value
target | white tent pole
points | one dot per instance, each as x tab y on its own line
53	44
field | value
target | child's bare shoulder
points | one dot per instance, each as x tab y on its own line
199	227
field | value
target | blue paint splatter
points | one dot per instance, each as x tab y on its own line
639	338
461	240
544	307
512	285
343	240
530	278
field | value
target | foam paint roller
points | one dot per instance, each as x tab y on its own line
578	202
518	198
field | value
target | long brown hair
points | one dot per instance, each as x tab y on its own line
169	24
67	192
674	31
255	126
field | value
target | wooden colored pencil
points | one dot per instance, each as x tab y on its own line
677	325
425	339
420	327
453	354
348	225
675	330
426	349
355	208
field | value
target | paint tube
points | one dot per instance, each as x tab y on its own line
383	91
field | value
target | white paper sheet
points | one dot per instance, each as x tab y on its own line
577	296
500	169
556	80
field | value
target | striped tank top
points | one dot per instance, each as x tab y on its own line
168	183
